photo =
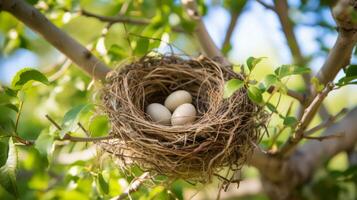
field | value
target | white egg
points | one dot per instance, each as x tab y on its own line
159	113
177	98
184	114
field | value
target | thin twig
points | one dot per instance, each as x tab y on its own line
231	27
83	129
123	19
134	186
266	5
326	123
18	114
320	138
84	139
67	136
115	19
296	95
53	122
307	117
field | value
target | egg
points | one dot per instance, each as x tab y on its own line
184	114
159	113
177	98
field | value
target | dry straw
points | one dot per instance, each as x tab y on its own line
223	134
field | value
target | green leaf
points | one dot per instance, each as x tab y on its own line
10	106
44	143
351	71
272	108
70	119
255	94
8	171
232	86
252	62
316	84
7	126
350	77
142	46
10	92
102	185
4	150
290	121
116	52
271	80
28	74
99	126
287	70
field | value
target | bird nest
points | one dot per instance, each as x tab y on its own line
222	136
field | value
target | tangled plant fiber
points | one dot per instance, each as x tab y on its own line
223	134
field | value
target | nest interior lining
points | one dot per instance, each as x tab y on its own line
222	135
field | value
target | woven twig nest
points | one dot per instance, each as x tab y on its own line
223	134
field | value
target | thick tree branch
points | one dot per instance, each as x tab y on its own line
340	55
59	39
205	40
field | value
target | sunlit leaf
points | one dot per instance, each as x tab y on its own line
99	126
142	46
44	144
10	92
252	62
102	185
231	86
8	171
4	150
10	106
290	121
270	80
287	70
255	94
350	77
316	84
28	74
117	53
70	119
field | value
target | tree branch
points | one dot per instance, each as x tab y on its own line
282	10
340	55
266	5
59	39
314	153
296	95
229	32
115	19
205	40
328	122
307	117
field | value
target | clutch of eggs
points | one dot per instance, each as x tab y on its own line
178	102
